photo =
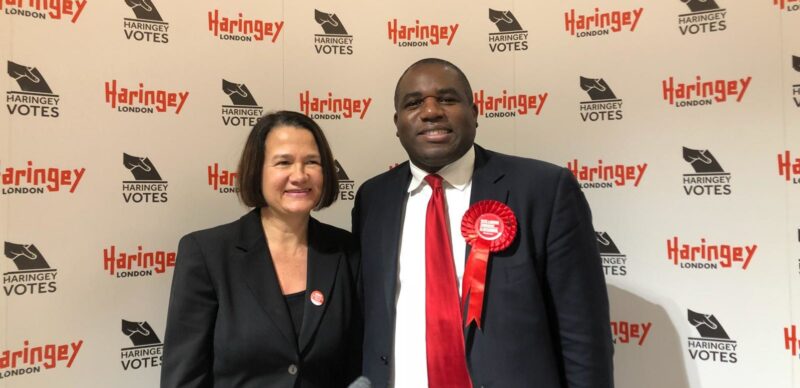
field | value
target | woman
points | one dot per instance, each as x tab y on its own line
268	300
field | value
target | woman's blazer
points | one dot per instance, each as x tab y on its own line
228	324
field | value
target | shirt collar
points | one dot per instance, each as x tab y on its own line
457	174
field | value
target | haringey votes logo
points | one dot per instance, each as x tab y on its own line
31	358
789	167
628	332
603	104
243	29
33	275
607	176
335	40
787	5
714	344
146	349
346	185
148	26
510	36
614	262
141	100
709	256
245	111
43	9
138	263
420	34
333	108
704	16
702	92
709	178
599	23
37	180
35	97
796	86
222	180
505	105
790	341
147	186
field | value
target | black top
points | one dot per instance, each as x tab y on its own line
295	304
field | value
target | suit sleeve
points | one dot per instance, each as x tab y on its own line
578	290
188	341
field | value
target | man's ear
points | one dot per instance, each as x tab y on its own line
397	133
475	113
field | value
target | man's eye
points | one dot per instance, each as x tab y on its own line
448	99
413	103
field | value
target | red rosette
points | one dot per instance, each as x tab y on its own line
488	226
491	221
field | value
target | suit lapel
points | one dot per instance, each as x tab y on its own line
323	263
487	181
394	201
259	275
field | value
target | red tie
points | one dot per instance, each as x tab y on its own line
444	338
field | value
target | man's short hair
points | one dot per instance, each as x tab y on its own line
436	61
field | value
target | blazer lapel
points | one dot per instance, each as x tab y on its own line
323	264
394	201
259	275
487	181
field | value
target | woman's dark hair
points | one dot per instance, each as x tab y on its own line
251	164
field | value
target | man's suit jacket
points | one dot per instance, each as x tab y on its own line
228	324
546	319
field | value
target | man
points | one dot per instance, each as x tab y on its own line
545	319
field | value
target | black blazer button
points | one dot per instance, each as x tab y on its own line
293	369
385	360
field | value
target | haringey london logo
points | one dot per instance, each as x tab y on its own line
148	26
141	100
31	358
714	344
789	167
504	105
146	349
333	108
44	9
335	40
37	180
222	180
601	22
147	186
701	92
709	178
704	16
346	185
709	256
33	275
614	261
244	111
510	36
627	332
35	97
420	34
607	176
126	264
790	341
796	87
787	5
604	104
243	29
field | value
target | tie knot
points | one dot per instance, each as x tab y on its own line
434	180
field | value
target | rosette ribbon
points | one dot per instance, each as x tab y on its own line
488	226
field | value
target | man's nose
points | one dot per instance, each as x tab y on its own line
431	109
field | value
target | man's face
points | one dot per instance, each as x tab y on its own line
435	121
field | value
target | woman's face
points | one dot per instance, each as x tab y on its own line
291	180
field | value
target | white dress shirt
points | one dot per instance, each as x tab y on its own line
410	363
